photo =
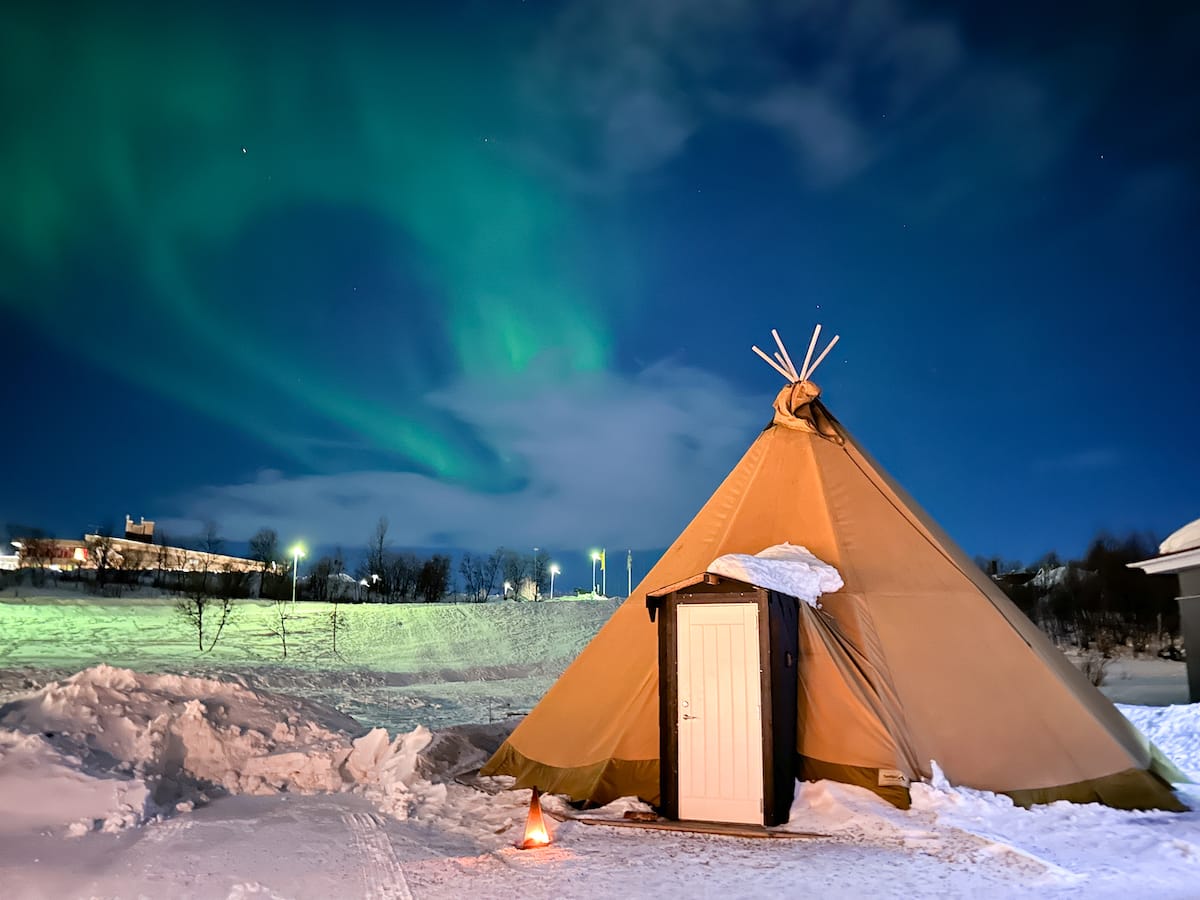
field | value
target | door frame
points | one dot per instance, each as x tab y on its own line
716	591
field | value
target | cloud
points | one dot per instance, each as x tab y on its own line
638	81
611	459
1089	460
832	145
880	89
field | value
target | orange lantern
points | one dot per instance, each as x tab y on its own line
536	833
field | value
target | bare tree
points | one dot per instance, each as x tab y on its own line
196	606
281	610
434	579
264	549
162	557
212	545
38	547
337	619
377	555
539	572
199	600
324	578
278	627
135	559
471	569
403	576
102	550
515	568
479	575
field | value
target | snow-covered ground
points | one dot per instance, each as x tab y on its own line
396	665
132	766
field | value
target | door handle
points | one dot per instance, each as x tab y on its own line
686	716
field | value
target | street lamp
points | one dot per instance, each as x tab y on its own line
554	570
595	559
507	588
297	552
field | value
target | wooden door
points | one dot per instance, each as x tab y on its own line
720	713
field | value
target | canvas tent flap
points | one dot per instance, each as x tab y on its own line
848	713
796	407
600	783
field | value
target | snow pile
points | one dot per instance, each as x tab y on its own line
1156	850
42	788
387	771
787	568
1175	730
114	748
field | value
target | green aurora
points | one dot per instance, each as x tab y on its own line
150	149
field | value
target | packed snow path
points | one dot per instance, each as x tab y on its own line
339	846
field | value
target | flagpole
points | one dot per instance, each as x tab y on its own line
629	572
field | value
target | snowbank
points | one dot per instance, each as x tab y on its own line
43	789
109	748
787	568
1058	845
1175	730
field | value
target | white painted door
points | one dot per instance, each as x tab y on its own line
720	713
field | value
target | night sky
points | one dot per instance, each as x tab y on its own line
493	269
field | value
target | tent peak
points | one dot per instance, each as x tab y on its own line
782	363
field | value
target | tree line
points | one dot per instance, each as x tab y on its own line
397	577
1096	602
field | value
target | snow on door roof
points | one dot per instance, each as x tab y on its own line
787	568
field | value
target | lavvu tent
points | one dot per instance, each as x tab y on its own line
919	657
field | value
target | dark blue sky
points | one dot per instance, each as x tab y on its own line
493	270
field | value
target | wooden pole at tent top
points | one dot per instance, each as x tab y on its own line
782	363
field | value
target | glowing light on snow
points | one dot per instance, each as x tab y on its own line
536	833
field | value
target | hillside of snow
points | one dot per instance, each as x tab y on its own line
396	665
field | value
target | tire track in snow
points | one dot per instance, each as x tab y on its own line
163	831
383	878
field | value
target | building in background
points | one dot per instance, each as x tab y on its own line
1180	555
135	551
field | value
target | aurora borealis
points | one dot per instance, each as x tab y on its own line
300	258
158	148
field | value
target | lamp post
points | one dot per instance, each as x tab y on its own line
297	552
507	588
595	559
554	570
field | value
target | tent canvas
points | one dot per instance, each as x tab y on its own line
918	658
